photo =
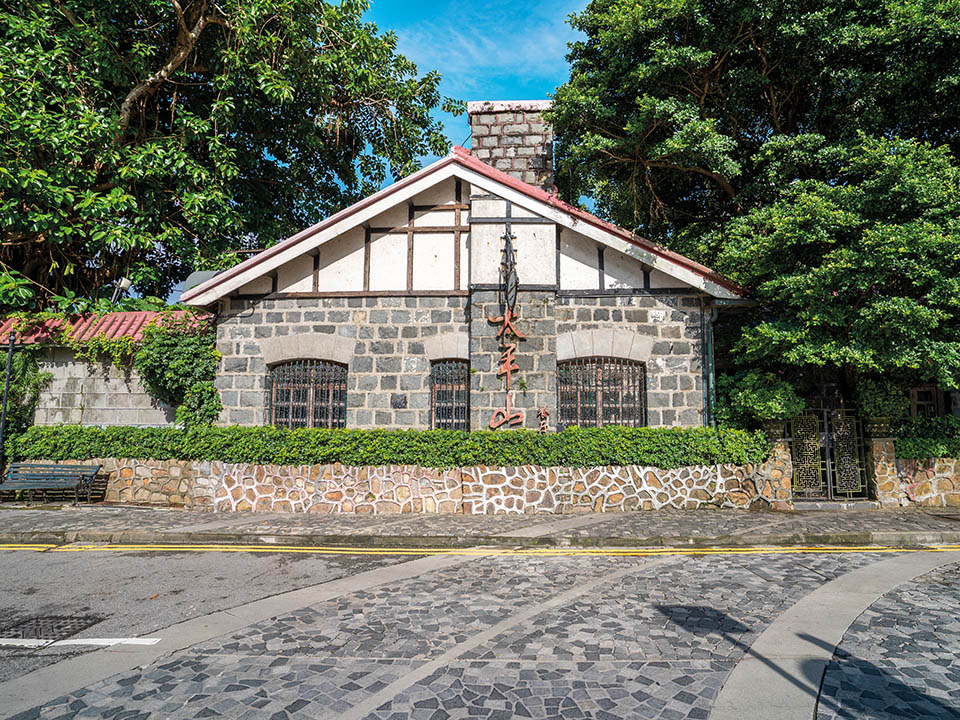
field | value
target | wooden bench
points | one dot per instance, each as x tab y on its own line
36	476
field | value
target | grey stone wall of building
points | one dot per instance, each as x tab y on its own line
675	369
534	385
94	394
515	138
388	377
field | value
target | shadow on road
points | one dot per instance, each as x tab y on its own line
886	696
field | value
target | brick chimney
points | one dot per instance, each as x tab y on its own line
511	135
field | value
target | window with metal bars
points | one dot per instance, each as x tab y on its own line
450	395
307	393
597	391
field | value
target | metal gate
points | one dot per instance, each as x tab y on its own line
828	453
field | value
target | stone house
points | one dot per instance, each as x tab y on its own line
467	296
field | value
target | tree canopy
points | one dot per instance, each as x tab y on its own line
669	103
806	149
856	259
147	138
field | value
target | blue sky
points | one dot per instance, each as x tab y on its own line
485	49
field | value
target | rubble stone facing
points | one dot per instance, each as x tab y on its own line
158	482
246	487
674	322
515	138
928	482
388	375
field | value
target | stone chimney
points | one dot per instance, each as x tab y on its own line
511	135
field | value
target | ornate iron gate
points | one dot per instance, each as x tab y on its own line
828	453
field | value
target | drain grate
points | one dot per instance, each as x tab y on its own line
49	627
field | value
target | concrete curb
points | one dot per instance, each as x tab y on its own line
150	537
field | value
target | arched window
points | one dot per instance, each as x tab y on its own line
450	395
307	393
597	391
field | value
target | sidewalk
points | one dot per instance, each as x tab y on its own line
698	528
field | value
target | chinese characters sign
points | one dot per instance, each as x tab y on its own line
508	335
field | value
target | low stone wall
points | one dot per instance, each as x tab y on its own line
896	482
245	487
930	482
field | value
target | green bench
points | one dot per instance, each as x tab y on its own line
36	476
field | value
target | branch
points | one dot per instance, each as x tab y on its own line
716	177
158	78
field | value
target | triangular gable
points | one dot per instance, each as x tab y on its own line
461	164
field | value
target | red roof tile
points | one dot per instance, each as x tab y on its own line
85	327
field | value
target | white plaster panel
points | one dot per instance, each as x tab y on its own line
536	249
662	280
388	262
464	260
435	218
433	261
341	262
257	287
396	216
578	262
485	249
621	271
296	275
522	212
441	193
488	208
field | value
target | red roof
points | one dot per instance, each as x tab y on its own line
463	157
85	327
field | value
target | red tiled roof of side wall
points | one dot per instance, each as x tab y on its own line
85	327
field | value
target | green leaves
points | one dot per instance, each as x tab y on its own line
577	447
857	266
133	149
177	361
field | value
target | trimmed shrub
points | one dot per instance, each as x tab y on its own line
918	438
576	447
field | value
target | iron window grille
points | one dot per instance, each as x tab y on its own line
597	391
450	395
307	393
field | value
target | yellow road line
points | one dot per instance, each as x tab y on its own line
475	551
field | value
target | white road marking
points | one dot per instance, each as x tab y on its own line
100	642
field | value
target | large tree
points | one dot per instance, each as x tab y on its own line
855	259
806	149
670	102
146	138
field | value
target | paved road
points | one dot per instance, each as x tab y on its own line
532	634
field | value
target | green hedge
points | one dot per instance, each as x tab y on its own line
919	438
577	447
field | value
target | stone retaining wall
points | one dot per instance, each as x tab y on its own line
477	490
930	482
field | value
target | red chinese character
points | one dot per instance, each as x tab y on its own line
504	416
506	323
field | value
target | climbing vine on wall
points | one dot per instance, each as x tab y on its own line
26	383
177	361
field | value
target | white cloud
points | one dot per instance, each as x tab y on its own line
493	48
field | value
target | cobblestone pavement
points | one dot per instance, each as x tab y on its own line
901	657
520	636
664	524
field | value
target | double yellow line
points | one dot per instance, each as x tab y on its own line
476	551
